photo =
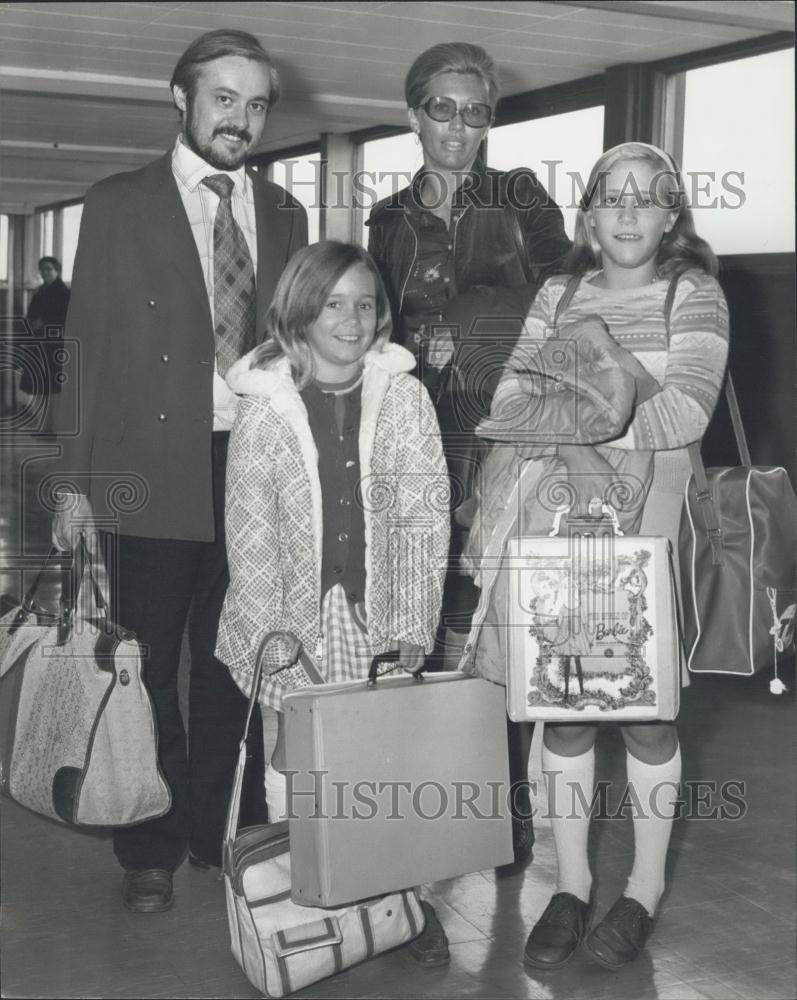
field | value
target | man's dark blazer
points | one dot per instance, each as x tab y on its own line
141	390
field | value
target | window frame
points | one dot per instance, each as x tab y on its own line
262	162
672	75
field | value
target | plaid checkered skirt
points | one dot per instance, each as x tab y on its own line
345	651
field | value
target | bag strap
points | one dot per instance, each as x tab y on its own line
736	420
565	299
234	808
730	390
296	653
520	243
30	606
71	586
702	489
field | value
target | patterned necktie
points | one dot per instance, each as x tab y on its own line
233	280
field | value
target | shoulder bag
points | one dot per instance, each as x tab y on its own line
738	550
282	946
78	741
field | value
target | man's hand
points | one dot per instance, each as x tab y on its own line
76	514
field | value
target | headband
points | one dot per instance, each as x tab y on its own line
661	153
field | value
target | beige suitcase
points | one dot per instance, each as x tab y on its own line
395	784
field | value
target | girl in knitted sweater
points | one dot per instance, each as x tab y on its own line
650	321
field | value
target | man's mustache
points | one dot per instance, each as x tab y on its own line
239	133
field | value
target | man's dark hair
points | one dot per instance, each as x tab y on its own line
51	260
215	45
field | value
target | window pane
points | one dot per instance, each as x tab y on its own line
46	248
70	221
738	155
3	248
560	149
387	166
301	176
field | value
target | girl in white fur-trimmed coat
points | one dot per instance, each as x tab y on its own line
337	512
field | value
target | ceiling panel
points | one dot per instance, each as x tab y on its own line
94	75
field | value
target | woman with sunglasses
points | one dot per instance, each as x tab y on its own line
460	242
459	225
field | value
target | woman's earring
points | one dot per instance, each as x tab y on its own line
417	139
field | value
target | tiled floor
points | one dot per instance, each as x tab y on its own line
726	927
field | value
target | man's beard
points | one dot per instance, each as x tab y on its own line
219	158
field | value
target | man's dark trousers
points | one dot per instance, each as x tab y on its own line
161	584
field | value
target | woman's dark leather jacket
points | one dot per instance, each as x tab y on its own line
504	213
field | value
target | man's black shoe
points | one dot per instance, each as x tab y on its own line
148	891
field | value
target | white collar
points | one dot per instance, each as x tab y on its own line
245	380
190	170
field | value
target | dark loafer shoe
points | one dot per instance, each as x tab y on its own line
148	891
430	948
558	932
621	935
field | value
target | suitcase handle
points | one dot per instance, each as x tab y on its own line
391	656
597	512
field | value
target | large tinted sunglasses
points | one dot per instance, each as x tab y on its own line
444	109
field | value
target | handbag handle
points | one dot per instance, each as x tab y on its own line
30	606
71	585
296	653
234	808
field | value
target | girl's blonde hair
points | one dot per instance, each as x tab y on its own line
301	293
680	249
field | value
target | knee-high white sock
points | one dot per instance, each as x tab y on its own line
276	794
565	777
656	788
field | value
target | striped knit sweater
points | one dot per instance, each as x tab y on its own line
690	372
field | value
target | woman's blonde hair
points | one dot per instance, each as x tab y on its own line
450	57
680	249
301	293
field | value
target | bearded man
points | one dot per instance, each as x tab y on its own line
175	268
